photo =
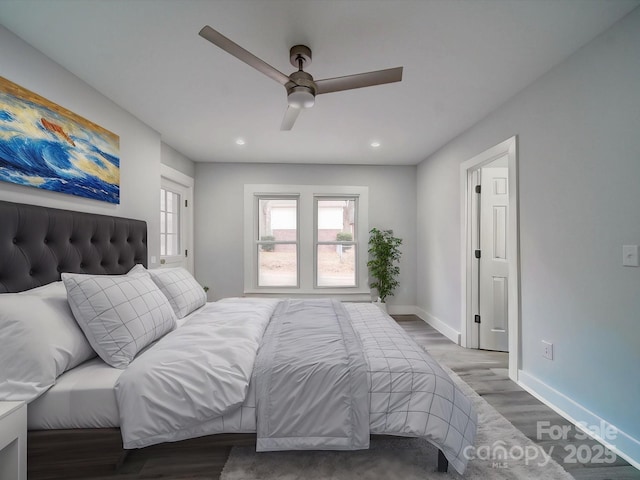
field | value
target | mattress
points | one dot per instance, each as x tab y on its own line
83	397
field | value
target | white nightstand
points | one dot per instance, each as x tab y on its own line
13	441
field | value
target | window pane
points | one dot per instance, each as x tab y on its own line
336	266
163	222
277	219
173	244
163	194
170	223
277	265
163	243
170	245
336	220
175	207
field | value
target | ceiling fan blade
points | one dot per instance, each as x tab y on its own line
240	53
359	80
290	118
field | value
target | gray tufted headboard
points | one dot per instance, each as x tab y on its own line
38	243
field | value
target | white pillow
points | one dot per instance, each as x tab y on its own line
184	293
53	289
137	268
119	314
40	340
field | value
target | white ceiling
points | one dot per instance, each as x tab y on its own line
461	58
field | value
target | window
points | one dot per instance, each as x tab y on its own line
306	240
336	243
277	242
169	223
176	219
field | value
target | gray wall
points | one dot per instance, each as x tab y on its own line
174	159
219	214
578	129
139	144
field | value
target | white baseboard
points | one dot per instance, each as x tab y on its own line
623	444
401	309
445	329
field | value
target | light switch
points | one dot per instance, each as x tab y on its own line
630	255
153	260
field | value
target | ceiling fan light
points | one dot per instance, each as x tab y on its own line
301	97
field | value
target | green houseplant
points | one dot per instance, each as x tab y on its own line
384	253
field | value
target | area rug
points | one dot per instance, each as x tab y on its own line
501	452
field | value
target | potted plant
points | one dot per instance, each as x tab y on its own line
384	252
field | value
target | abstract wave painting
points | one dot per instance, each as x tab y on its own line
45	146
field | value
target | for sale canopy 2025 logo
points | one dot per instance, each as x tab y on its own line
576	452
500	454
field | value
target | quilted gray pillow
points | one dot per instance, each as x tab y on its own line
183	291
119	314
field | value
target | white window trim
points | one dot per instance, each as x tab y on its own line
186	184
306	236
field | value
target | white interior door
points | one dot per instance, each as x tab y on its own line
493	263
502	155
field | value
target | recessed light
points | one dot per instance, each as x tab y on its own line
375	144
240	141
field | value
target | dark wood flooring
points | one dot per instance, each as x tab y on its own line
93	456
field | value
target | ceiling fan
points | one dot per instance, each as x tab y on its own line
301	87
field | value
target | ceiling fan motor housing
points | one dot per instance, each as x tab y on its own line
301	90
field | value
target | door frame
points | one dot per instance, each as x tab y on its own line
467	169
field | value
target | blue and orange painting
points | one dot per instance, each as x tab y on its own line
45	146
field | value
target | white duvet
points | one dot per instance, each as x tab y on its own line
197	372
198	381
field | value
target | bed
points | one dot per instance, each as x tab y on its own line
233	359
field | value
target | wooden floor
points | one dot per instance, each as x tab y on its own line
487	373
200	459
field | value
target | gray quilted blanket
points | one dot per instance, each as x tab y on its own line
311	380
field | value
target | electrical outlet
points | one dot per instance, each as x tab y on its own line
547	350
630	255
